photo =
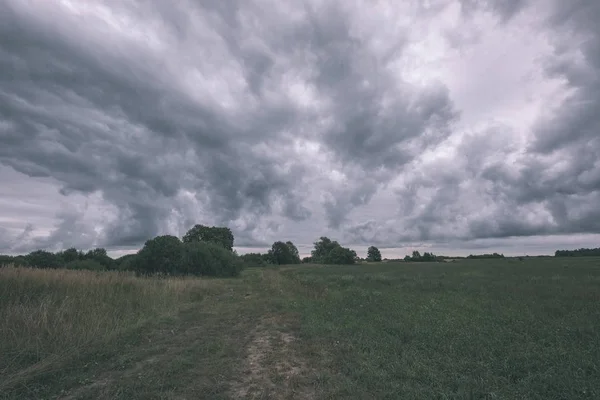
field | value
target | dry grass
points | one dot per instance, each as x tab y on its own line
48	316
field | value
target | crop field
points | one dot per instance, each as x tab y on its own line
472	329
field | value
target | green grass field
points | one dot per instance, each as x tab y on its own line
477	329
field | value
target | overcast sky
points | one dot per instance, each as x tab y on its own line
458	126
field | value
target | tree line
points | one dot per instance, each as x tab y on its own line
578	253
202	251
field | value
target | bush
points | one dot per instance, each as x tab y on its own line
163	254
209	259
90	265
254	259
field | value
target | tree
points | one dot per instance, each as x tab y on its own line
340	255
214	234
163	254
70	255
99	255
282	253
294	251
373	254
44	259
329	251
322	248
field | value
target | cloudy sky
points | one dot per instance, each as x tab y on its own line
458	126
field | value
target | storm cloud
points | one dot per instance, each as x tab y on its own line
395	123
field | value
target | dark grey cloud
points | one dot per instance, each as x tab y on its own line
288	119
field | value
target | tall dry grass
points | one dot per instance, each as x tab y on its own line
49	315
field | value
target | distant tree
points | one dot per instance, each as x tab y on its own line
20	261
373	254
322	248
294	251
219	235
282	253
340	255
416	256
100	256
163	254
69	255
44	259
125	263
583	252
6	260
307	260
329	251
482	256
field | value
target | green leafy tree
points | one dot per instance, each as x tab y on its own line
322	248
283	253
125	263
163	254
44	259
214	234
340	255
100	256
294	251
70	255
373	254
329	251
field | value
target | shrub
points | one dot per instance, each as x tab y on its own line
90	265
254	259
209	259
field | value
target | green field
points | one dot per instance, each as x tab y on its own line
474	329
